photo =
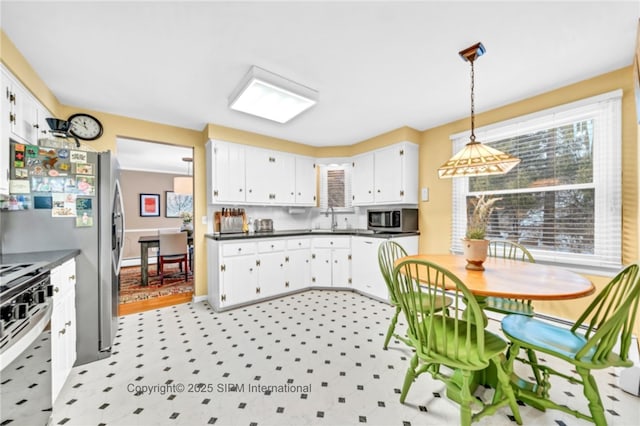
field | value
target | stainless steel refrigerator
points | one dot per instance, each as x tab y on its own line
97	266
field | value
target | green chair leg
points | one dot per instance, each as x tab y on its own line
409	377
593	396
392	327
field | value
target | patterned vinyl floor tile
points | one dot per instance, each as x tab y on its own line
312	358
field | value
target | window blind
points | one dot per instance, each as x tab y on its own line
563	201
335	186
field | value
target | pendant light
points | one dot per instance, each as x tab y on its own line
476	159
183	185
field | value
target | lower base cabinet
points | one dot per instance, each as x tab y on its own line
63	325
242	272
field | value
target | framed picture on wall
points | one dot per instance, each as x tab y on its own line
177	203
149	205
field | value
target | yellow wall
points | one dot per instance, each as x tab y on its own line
435	148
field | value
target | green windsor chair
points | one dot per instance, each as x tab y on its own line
463	345
388	253
508	250
609	322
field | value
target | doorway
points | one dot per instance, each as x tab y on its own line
151	206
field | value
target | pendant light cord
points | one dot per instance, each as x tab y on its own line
473	135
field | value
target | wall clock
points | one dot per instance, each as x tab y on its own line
85	127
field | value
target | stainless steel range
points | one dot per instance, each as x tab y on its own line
25	344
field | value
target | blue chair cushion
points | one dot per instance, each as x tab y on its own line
545	337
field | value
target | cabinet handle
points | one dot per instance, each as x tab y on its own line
368	242
11	96
12	118
369	191
56	289
239	249
286	284
35	125
72	277
240	190
402	193
215	192
62	331
378	191
250	190
67	324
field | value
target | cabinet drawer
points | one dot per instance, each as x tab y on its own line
332	242
269	246
238	249
298	244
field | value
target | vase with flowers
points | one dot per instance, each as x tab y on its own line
475	245
187	222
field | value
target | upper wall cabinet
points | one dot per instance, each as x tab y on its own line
269	177
386	176
241	174
25	116
22	119
305	181
225	173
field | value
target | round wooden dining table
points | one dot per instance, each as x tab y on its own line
514	279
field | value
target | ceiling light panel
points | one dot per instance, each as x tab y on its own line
267	95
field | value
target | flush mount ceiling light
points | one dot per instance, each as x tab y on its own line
183	185
476	159
267	95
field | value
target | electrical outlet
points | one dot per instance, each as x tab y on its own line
425	194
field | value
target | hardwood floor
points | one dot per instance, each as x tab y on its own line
154	303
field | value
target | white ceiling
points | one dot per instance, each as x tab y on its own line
378	65
153	157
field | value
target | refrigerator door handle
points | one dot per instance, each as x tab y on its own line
118	218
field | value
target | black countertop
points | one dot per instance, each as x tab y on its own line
48	259
308	233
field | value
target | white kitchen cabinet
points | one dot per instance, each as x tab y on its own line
270	177
241	272
298	264
24	115
386	176
225	172
367	277
63	324
331	262
362	185
271	267
5	125
305	181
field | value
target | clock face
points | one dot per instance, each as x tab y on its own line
85	126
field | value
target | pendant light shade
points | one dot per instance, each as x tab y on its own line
183	185
476	159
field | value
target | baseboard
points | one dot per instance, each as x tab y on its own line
197	299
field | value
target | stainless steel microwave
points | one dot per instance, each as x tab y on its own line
393	220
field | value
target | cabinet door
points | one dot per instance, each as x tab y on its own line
63	339
298	271
362	179
26	115
283	176
270	177
239	279
5	125
259	182
321	267
305	181
271	274
341	268
228	172
42	127
388	175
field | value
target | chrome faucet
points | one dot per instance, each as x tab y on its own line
334	222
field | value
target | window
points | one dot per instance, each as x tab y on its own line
335	186
563	201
